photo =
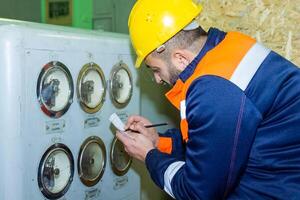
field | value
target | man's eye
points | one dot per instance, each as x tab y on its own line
155	70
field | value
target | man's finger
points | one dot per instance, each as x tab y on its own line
140	128
122	137
133	119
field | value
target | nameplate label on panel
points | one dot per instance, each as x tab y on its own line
56	126
119	182
123	116
92	194
91	122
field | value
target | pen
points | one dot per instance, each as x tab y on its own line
155	125
149	126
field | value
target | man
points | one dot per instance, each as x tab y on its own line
239	103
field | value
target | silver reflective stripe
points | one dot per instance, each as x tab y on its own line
169	174
249	65
182	109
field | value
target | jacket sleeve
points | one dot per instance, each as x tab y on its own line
222	124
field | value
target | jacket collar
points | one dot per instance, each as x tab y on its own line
174	95
214	37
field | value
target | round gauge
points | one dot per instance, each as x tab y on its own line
120	85
120	160
91	161
56	171
91	88
55	89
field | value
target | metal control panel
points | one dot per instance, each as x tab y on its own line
59	87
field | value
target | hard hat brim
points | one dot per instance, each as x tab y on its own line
138	62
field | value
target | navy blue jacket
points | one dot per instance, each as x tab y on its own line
243	144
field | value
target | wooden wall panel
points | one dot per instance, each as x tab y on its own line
276	23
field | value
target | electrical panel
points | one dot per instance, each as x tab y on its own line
59	86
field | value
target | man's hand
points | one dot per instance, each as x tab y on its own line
135	144
137	123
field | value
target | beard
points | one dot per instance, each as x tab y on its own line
173	74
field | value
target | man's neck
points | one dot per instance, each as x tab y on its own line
200	44
197	47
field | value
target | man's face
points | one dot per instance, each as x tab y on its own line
163	72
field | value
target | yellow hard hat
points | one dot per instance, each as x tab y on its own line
153	22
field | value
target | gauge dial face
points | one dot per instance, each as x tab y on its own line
91	86
120	160
55	89
121	85
91	161
56	171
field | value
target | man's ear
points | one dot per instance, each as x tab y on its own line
180	59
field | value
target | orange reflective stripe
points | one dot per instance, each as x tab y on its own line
165	144
175	94
184	129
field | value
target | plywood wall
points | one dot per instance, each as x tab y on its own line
276	23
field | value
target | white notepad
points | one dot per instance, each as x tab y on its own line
117	122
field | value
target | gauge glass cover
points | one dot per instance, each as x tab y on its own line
120	159
92	160
55	89
91	88
56	171
121	85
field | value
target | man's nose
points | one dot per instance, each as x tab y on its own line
158	80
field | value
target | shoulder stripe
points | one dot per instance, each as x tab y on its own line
249	65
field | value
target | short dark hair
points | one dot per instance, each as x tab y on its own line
182	40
